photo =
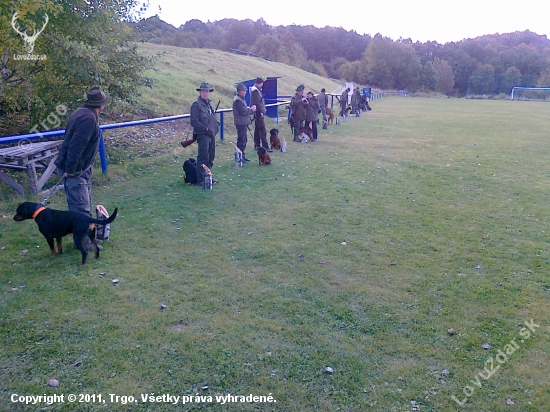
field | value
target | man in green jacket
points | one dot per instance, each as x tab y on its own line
298	105
205	128
257	99
323	103
241	117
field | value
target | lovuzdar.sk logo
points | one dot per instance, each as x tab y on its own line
30	40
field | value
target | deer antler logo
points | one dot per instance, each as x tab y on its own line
28	39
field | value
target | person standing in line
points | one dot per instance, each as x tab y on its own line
356	102
257	99
344	103
78	150
241	116
205	128
312	114
323	104
298	105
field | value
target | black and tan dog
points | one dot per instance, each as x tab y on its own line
274	139
54	224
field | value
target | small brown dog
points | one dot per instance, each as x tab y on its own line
274	139
307	131
263	157
330	115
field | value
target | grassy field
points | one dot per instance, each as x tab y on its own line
357	252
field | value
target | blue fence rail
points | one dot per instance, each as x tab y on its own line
102	154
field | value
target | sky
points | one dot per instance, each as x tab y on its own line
420	20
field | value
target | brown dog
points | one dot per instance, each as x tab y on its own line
263	157
307	131
274	139
330	115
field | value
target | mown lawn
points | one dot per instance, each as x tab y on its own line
357	252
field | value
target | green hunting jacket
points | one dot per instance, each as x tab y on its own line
298	108
312	111
203	120
241	113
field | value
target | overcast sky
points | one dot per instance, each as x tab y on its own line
421	20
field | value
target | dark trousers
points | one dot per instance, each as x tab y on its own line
241	137
206	155
260	134
313	125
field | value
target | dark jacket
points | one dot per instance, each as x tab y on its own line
257	98
298	108
312	111
81	142
323	99
344	99
203	120
356	98
241	113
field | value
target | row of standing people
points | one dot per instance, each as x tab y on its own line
305	110
355	102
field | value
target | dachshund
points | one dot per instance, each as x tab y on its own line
55	224
263	157
274	139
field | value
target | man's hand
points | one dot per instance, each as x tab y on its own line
253	108
68	175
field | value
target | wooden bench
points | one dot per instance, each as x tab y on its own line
30	156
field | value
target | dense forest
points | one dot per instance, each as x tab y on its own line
487	65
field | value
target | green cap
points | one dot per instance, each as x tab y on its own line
241	86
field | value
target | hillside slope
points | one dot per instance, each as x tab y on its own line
179	71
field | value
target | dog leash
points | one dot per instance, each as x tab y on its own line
52	191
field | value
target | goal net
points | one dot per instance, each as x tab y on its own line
530	93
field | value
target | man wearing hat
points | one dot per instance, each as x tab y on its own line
205	128
77	152
298	105
241	116
257	99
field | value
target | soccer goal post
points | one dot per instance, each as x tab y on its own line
530	93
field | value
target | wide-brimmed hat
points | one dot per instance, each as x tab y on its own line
96	97
259	79
241	86
205	86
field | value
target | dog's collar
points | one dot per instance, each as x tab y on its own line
40	209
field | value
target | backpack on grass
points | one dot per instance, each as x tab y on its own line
190	169
103	231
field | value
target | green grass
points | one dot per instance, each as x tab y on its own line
421	191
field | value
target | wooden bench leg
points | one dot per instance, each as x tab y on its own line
12	183
47	173
33	179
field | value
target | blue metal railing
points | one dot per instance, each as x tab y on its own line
103	156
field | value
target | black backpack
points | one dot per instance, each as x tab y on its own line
190	169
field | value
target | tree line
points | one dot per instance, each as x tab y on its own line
84	43
490	64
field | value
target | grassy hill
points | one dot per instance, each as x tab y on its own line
178	72
358	252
